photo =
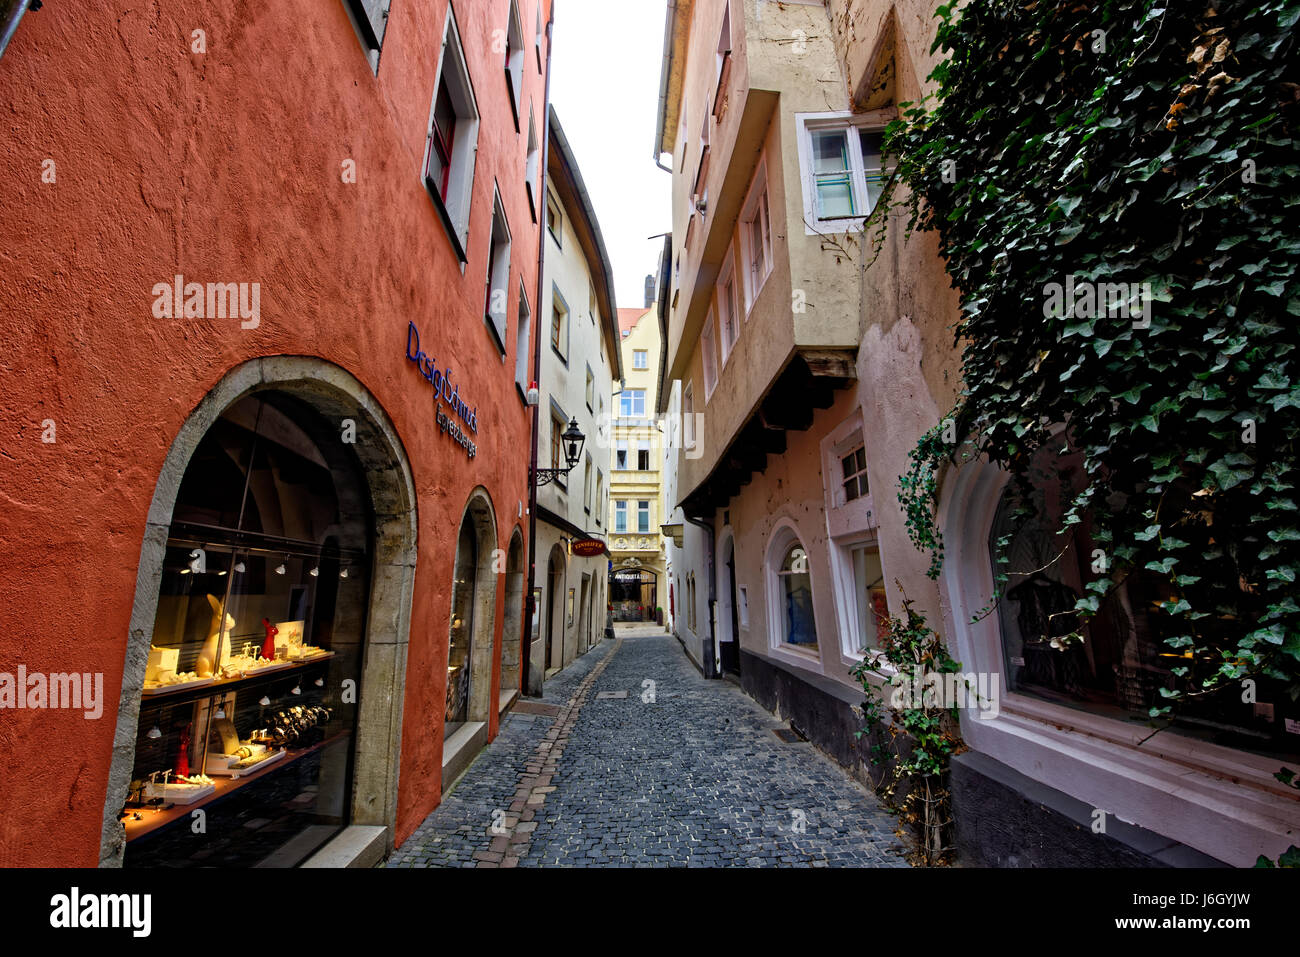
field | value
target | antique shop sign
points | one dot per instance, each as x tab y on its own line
444	391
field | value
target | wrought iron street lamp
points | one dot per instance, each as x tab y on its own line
571	440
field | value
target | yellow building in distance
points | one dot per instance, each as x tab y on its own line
638	585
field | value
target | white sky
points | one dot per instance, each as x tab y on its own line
605	64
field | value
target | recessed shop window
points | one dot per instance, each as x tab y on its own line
1117	662
498	274
370	18
249	706
790	591
459	657
452	140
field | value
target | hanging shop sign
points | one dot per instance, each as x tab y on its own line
457	407
588	547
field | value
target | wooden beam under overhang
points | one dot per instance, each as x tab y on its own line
809	382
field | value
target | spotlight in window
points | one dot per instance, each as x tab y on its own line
320	682
297	689
221	709
279	569
314	572
343	574
154	733
265	701
239	567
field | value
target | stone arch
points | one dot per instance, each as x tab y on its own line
512	626
557	575
337	396
482	519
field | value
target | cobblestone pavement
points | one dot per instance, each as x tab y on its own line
680	772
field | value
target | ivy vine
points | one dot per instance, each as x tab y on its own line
1151	147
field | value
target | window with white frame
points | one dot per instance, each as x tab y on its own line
541	32
643	455
643	515
724	54
591	390
843	167
728	308
640	359
554	219
600	491
515	60
533	163
709	353
790	592
498	274
631	404
560	326
853	474
522	330
620	455
370	18
586	484
688	417
452	140
756	238
557	447
869	608
620	515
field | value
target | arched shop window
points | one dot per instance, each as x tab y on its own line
459	655
250	695
789	591
1115	664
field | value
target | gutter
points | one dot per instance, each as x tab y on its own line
527	640
664	75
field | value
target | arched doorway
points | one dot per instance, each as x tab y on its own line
473	618
634	593
555	580
512	628
728	623
279	543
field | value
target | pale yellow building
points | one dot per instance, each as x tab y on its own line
638	586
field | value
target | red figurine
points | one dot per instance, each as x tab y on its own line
183	753
268	646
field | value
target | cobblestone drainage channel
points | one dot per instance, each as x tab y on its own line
512	837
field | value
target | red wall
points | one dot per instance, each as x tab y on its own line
225	167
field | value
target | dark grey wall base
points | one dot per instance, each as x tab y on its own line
823	711
1005	819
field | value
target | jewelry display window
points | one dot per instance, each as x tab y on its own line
243	753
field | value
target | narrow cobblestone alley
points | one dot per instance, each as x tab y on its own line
683	771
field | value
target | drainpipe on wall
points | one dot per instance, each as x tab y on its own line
526	666
11	11
664	77
710	656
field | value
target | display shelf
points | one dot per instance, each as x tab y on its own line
223	788
214	687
